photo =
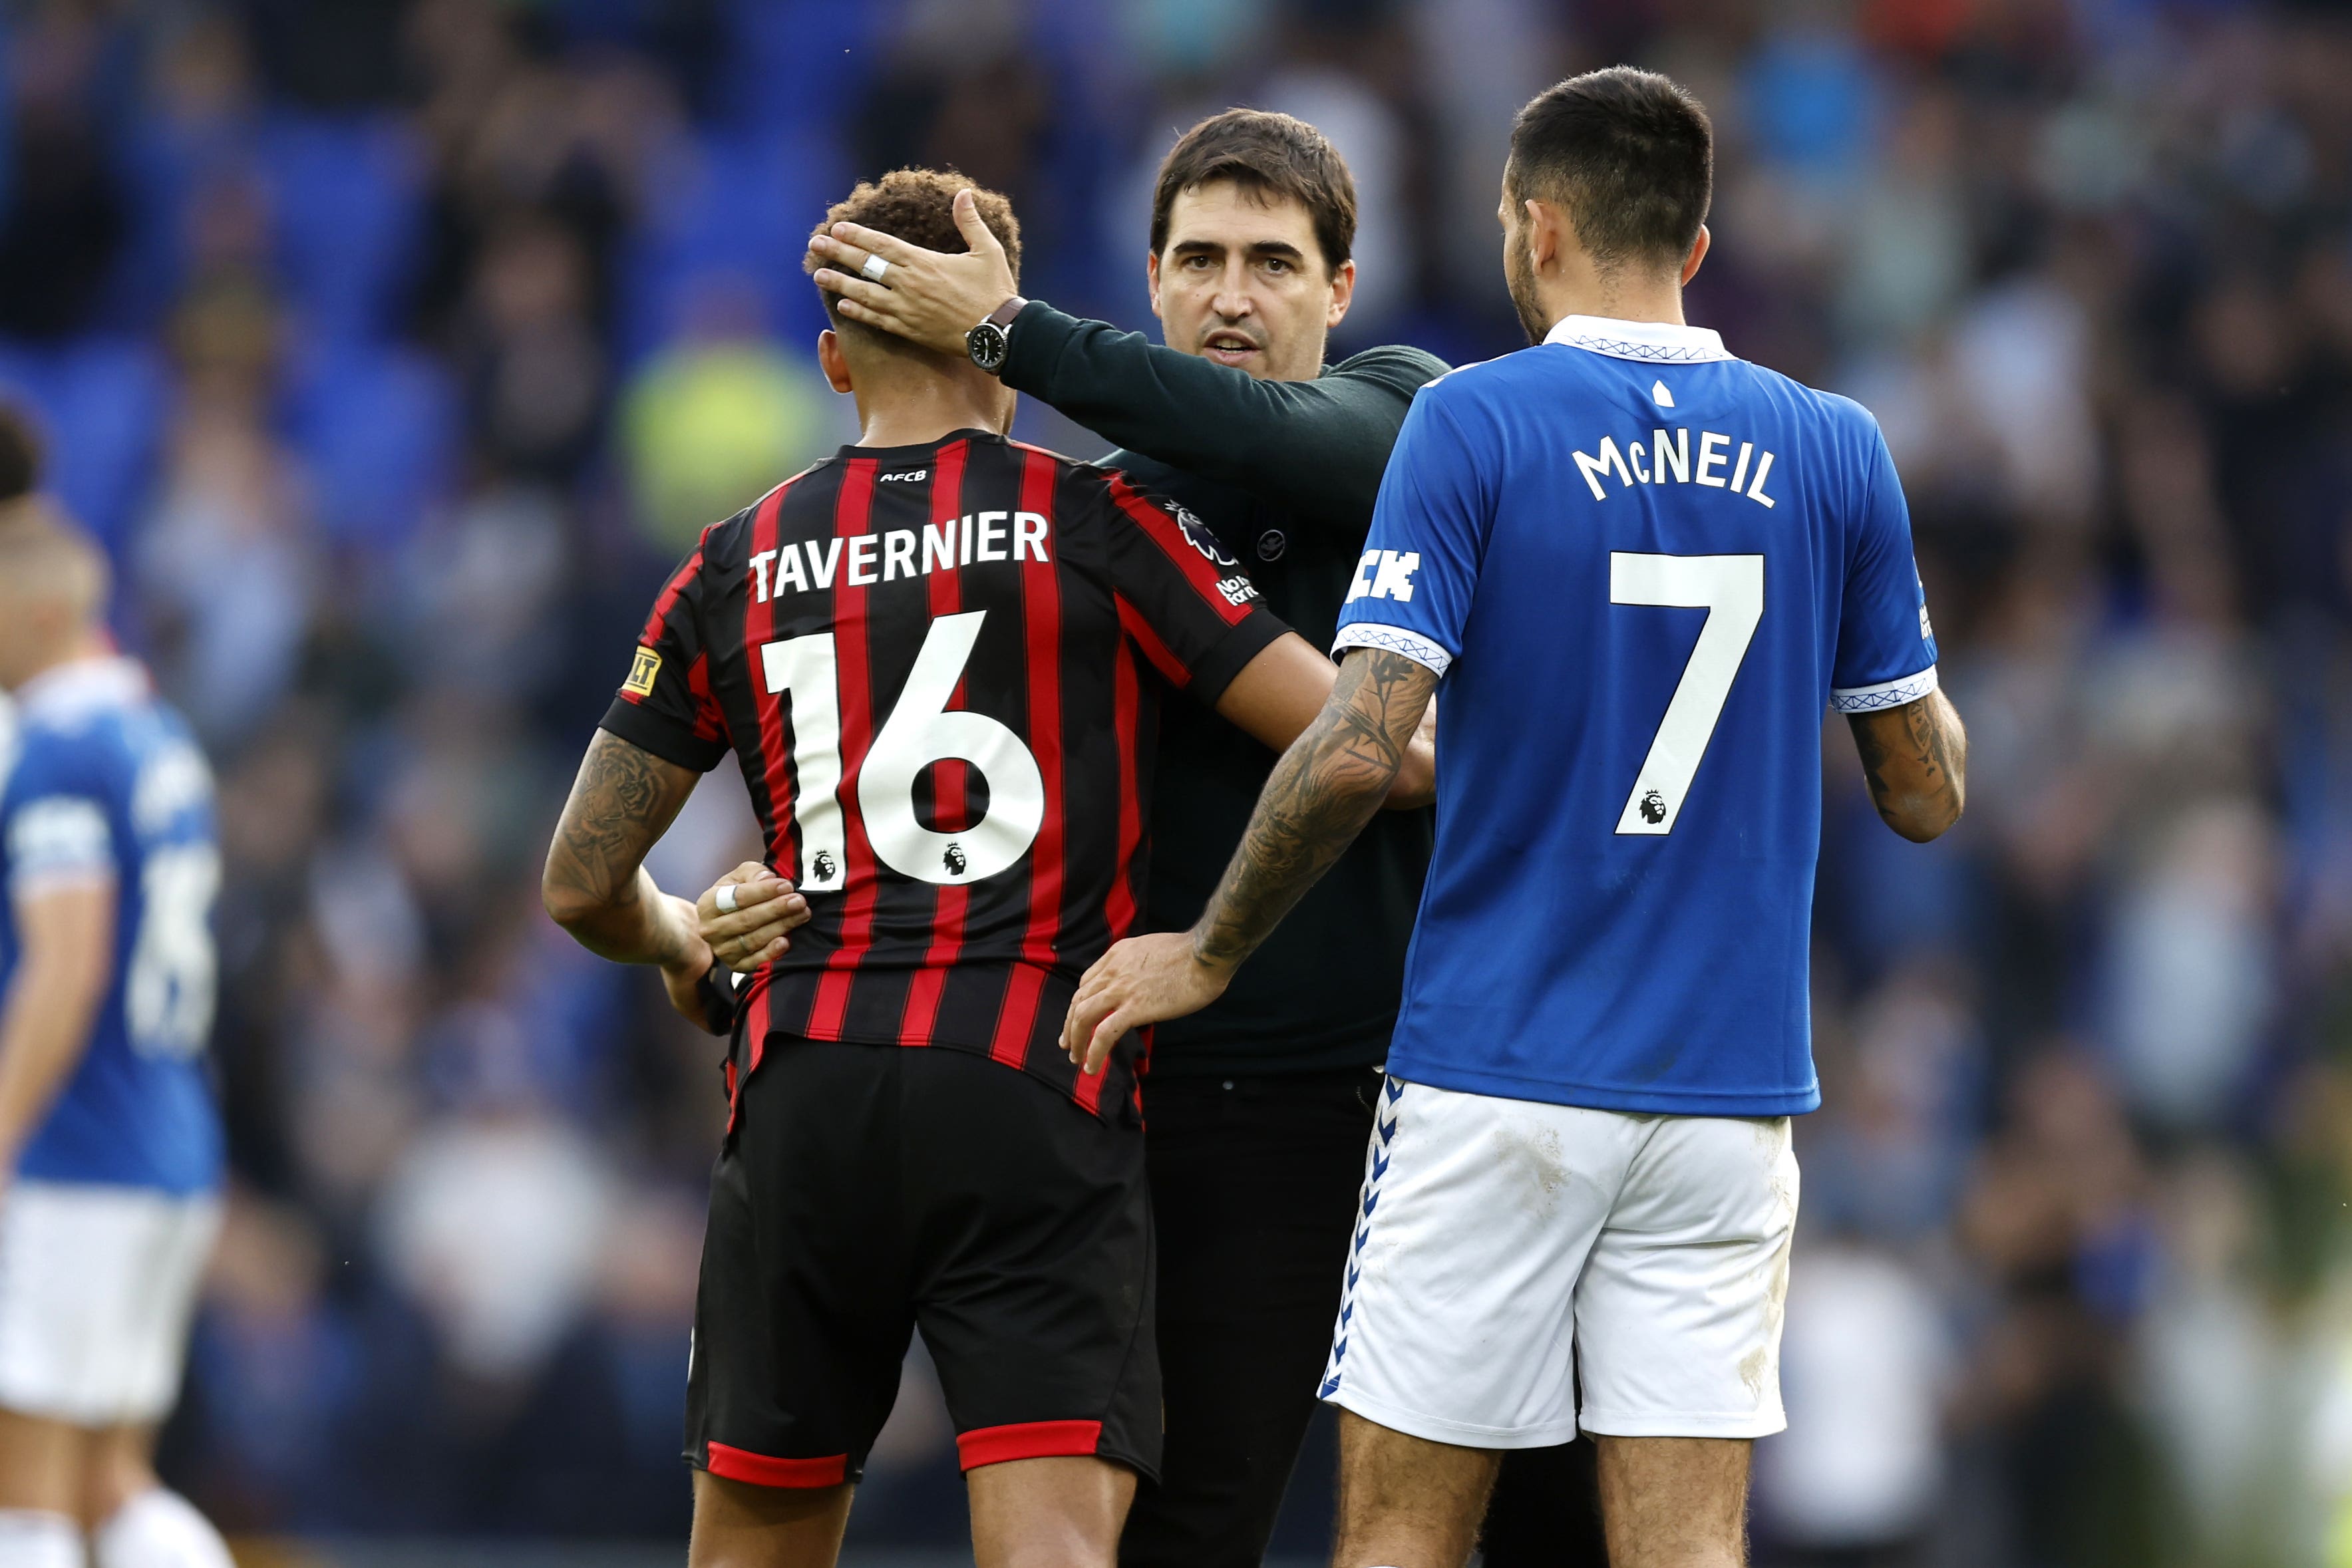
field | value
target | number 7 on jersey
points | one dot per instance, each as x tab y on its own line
1730	589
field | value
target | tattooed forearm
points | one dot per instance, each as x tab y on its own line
1322	792
1916	758
596	885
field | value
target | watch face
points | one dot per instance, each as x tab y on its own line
986	343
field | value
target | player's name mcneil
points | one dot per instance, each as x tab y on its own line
865	559
1669	455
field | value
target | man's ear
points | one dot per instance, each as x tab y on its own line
1549	237
832	360
1343	293
1697	253
1152	279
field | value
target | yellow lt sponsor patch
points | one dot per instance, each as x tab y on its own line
640	683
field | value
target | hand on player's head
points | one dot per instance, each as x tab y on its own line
929	298
754	933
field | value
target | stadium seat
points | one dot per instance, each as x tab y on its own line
796	63
739	205
347	209
379	428
102	402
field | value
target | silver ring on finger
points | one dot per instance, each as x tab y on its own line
874	268
725	898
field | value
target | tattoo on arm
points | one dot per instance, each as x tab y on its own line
1326	788
1916	758
622	803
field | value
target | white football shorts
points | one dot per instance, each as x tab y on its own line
1506	1246
97	1286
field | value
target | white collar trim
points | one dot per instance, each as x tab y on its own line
106	680
1656	342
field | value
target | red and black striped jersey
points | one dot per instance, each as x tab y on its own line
939	667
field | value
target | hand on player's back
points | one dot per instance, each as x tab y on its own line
1142	980
926	296
766	908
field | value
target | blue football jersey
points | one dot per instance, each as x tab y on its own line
1642	568
103	784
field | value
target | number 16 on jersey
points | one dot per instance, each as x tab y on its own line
921	730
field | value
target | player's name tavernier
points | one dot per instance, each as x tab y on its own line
811	564
1650	462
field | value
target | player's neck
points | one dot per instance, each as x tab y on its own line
86	644
1615	298
918	412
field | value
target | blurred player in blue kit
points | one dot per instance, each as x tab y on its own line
109	1136
1638	569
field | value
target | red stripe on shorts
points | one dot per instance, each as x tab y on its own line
766	1471
1025	1440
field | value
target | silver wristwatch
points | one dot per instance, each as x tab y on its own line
991	341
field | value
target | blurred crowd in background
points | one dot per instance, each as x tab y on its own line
394	350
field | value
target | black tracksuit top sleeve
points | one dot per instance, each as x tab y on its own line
1317	446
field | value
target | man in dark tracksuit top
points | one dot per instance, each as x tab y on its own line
1258	1108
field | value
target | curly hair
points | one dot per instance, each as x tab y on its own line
918	206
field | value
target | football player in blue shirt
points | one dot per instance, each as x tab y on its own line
1638	569
109	1143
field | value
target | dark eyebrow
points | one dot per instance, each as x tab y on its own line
1282	249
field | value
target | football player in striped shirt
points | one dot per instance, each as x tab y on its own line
938	658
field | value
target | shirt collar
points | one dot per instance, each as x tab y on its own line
105	680
1658	342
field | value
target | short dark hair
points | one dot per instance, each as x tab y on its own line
1267	154
1628	154
918	206
20	453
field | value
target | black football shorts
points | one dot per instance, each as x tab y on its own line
867	1191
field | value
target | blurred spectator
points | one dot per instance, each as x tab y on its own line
2213	1359
494	1224
2191	982
536	367
718	421
1864	1365
65	215
226	566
